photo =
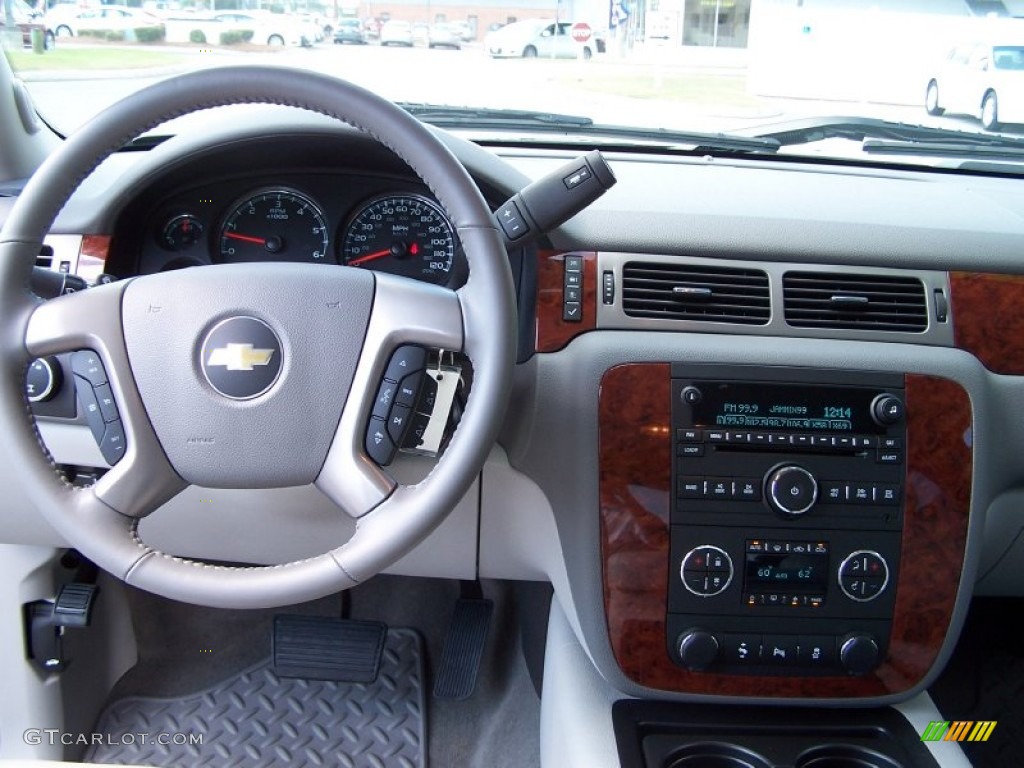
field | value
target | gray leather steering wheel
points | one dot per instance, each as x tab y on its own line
336	326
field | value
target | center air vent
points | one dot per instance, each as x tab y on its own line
681	292
850	301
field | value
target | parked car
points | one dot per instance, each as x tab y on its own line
349	31
464	29
273	29
536	37
396	32
982	80
444	35
71	21
27	20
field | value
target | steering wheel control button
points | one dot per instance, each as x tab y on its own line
87	364
43	380
791	490
113	445
863	575
409	389
241	357
398	423
379	445
385	398
90	408
706	570
405	360
108	408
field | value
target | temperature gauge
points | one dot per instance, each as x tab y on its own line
181	232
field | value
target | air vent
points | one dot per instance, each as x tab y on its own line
851	301
683	292
45	257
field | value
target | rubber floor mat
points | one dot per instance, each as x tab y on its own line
984	680
258	719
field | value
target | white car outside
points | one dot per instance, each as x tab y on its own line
537	38
273	29
397	32
72	20
983	80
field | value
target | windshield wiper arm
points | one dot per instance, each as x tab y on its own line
553	122
943	149
814	129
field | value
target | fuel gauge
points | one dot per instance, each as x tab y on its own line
181	232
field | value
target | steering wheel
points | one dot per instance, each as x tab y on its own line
333	329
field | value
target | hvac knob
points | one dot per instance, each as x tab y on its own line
791	490
858	653
43	379
697	649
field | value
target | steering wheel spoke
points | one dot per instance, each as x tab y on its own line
405	312
89	325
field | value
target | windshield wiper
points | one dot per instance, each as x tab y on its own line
894	136
552	122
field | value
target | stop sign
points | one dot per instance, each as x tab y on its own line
581	32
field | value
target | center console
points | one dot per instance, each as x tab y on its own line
786	519
781	532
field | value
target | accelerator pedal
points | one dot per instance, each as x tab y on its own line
463	649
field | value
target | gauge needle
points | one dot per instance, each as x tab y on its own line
245	238
371	257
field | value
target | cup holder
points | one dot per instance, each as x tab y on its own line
844	756
714	754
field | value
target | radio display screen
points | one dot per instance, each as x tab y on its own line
784	407
786	572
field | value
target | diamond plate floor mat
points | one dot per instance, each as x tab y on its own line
258	719
984	680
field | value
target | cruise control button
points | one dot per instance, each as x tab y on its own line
398	422
379	445
112	445
405	360
418	428
90	406
385	399
429	395
86	364
105	398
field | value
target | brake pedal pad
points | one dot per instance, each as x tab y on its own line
463	649
325	648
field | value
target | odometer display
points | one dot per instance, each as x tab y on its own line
406	235
274	225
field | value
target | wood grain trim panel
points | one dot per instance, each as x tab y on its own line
635	479
988	318
553	332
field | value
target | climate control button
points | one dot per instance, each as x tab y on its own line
791	490
706	570
863	575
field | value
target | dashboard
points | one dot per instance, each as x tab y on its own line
753	283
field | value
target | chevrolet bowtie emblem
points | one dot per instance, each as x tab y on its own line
240	357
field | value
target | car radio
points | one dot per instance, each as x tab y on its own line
786	518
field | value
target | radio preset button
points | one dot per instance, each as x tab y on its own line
791	490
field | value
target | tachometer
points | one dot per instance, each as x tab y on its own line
405	235
275	225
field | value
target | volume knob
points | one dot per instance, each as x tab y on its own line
858	653
791	490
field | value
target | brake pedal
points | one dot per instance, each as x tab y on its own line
325	648
463	649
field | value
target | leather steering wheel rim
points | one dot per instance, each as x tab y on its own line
102	521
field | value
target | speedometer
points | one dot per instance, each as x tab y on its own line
406	235
274	225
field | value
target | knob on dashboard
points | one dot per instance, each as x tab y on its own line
858	653
698	648
887	410
791	490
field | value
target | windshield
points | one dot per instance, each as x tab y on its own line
656	71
